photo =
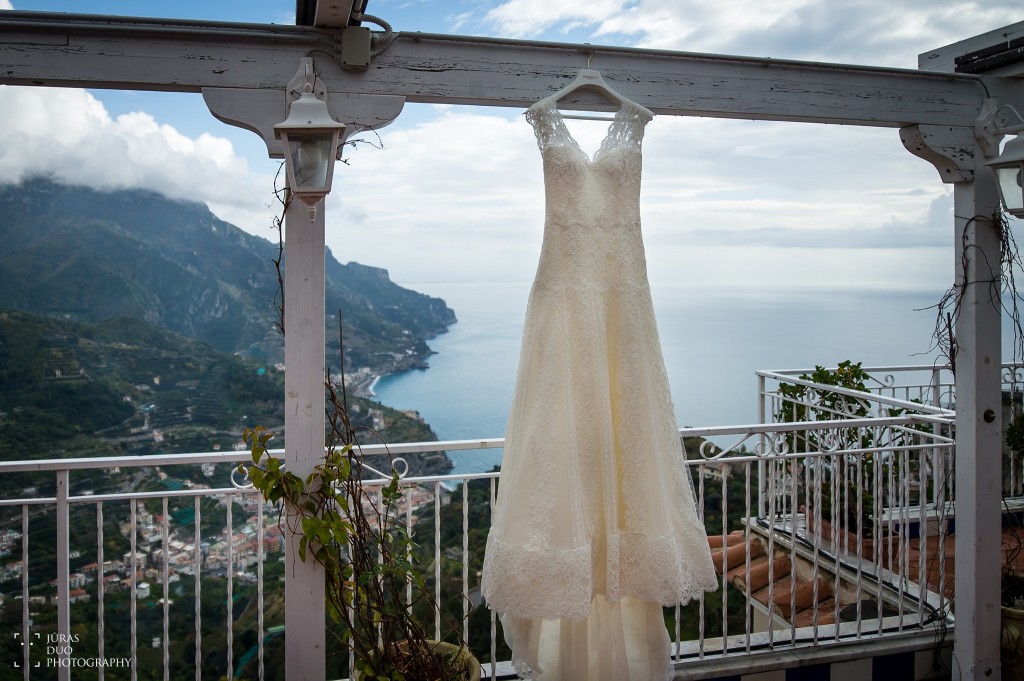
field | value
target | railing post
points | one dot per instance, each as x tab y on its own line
304	431
100	624
762	415
936	458
26	632
63	560
978	429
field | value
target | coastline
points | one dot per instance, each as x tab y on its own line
364	382
364	387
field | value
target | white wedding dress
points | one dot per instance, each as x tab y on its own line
595	526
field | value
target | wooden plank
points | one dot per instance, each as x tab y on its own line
437	69
333	13
131	54
304	423
119	54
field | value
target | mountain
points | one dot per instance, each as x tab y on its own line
88	255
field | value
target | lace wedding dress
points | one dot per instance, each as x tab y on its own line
595	525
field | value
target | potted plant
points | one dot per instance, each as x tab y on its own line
351	528
846	508
849	476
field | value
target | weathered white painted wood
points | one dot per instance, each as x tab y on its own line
949	150
100	49
977	280
334	13
260	110
478	71
305	649
978	430
943	58
464	70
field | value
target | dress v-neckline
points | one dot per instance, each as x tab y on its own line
615	120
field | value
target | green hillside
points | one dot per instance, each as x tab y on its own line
127	387
123	386
88	255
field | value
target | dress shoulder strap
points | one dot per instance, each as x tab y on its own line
547	124
627	130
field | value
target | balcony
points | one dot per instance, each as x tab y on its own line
834	534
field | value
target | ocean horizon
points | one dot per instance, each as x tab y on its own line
712	340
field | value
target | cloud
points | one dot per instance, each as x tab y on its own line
67	134
933	228
519	18
6	4
875	32
461	190
460	197
457	192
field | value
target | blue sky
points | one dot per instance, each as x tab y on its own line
456	192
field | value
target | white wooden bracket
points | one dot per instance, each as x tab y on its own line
949	149
306	75
259	110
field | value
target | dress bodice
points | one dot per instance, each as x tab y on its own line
592	205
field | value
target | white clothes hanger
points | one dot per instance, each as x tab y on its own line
590	79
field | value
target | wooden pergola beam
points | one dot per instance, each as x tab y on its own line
67	50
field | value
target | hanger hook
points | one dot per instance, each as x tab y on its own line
590	54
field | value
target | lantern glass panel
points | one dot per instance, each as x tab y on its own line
310	160
1010	186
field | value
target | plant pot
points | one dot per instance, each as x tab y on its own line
1012	645
464	657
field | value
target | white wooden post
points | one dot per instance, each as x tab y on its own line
304	424
978	430
304	420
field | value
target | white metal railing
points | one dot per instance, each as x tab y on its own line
64	531
900	504
925	389
772	486
815	478
1013	409
921	389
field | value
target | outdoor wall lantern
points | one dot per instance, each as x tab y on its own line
1009	169
310	140
1009	165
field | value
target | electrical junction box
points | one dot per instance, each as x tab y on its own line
355	47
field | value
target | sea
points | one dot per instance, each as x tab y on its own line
713	342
